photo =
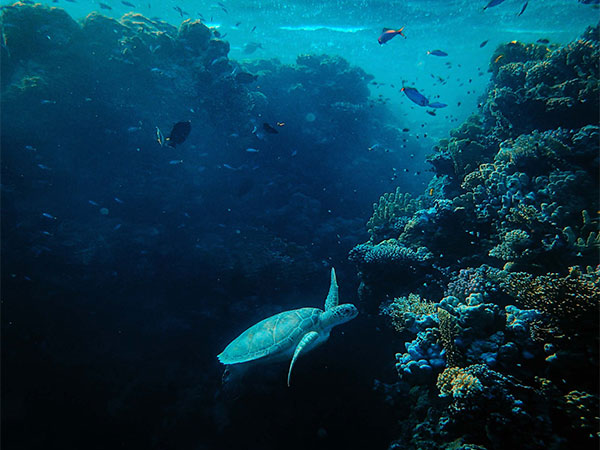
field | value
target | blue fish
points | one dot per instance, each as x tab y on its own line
48	216
523	8
437	105
492	3
389	33
437	53
415	96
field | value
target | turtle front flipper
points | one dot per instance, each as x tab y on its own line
332	299
307	341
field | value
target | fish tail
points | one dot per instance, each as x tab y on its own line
400	32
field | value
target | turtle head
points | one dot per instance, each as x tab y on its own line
338	315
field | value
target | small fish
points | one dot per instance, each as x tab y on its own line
48	216
253	28
131	5
245	78
437	105
431	113
133	129
251	47
179	133
437	53
93	203
237	24
176	161
43	167
31	148
484	43
48	102
389	33
415	96
179	10
116	227
118	200
523	8
252	150
492	3
104	6
498	58
47	233
269	129
543	41
159	137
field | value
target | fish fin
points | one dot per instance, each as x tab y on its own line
387	29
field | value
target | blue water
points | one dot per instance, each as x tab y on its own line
128	265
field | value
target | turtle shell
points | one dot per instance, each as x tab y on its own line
270	337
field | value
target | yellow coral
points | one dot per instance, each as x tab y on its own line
572	298
413	304
458	383
448	331
391	207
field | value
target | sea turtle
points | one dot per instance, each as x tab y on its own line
289	333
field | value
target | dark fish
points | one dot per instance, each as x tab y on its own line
179	133
492	3
253	28
245	78
523	8
415	96
389	33
437	53
483	44
131	5
543	41
406	130
104	6
251	47
437	105
238	24
179	10
431	113
269	129
590	2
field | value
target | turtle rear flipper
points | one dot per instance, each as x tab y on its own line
306	343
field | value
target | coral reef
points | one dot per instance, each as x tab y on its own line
513	241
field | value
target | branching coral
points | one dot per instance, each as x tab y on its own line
571	299
390	215
458	383
405	312
448	331
587	238
512	247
